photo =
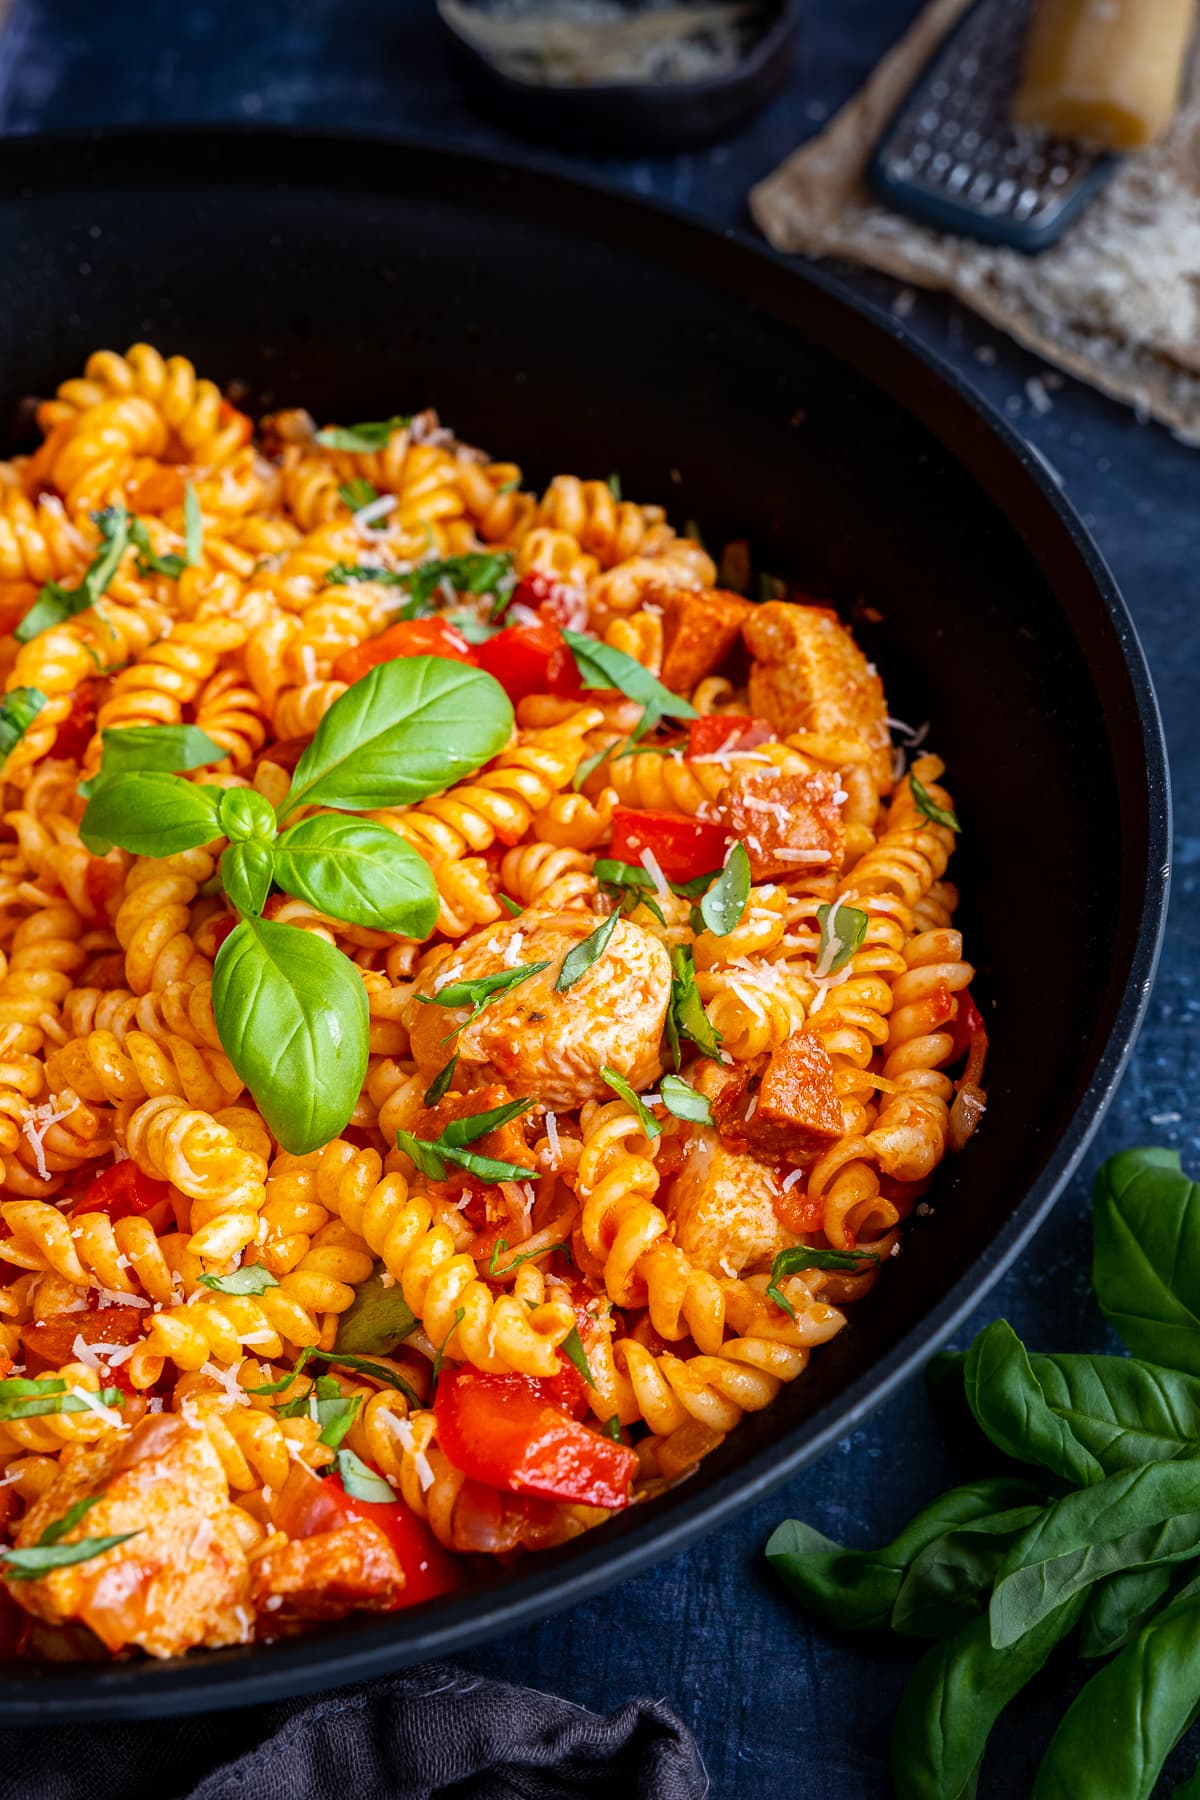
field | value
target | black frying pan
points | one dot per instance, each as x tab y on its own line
579	331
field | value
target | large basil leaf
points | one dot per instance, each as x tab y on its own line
1121	1411
292	1014
1010	1406
947	1581
378	1319
1120	1605
246	873
126	748
152	814
1119	1731
956	1694
409	728
855	1590
1146	1257
358	871
1141	1516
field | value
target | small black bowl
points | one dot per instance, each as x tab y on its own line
624	117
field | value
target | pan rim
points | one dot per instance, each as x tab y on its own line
83	1693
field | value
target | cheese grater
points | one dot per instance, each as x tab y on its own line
952	157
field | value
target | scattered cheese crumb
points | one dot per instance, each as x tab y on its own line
653	869
552	1139
45	1115
789	1181
402	1430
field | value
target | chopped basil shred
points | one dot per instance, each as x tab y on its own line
938	815
59	1528
645	1118
24	1398
39	1559
361	1482
724	903
578	961
681	1099
440	1085
501	1245
614	487
572	1348
252	1278
480	992
18	710
372	434
611	1428
460	1314
56	603
358	493
450	1146
686	1017
843	929
193	526
792	1262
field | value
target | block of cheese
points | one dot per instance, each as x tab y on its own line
1105	72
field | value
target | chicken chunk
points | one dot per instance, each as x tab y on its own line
535	1040
722	1205
181	1580
809	675
329	1575
792	1111
789	824
699	631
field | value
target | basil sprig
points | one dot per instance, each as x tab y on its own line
449	1146
1108	1540
475	572
56	603
372	434
601	666
291	1010
926	804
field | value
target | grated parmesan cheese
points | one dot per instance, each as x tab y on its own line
228	1380
402	1430
552	1138
653	869
100	1357
118	1297
386	1278
798	856
512	955
45	1115
789	1181
366	516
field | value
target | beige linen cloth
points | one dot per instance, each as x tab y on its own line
1116	302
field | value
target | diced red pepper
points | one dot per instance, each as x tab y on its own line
713	732
967	1026
75	733
221	931
558	602
531	659
504	1431
309	1504
682	847
408	637
123	1192
103	882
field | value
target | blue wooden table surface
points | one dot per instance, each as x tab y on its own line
780	1709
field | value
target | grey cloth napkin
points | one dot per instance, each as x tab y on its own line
429	1731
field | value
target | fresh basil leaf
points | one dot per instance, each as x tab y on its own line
70	1519
600	666
686	1017
372	434
843	929
251	1278
510	906
408	729
356	870
1009	1405
458	1133
572	1348
358	493
336	1415
645	1118
1146	1255
18	710
589	765
149	562
439	1087
431	1160
460	1314
247	871
30	1565
361	1366
855	1590
193	526
1119	1730
1141	1516
611	1428
152	814
292	1016
957	1693
247	816
341	574
54	604
483	990
514	1262
377	1320
681	1099
424	1157
578	961
1119	1606
948	1581
1123	1412
937	815
23	1398
126	749
723	905
362	1483
629	885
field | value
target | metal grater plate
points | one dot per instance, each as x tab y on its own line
953	155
